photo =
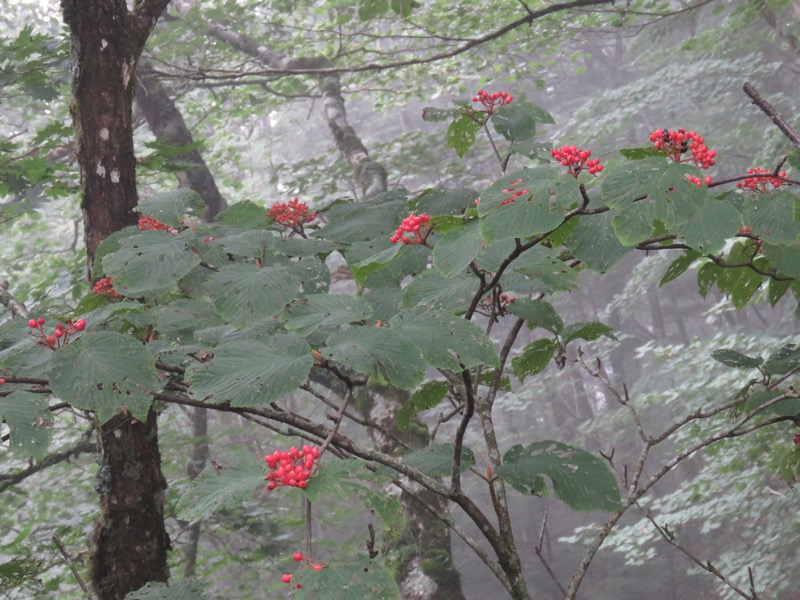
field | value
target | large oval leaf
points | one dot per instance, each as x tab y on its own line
104	372
247	372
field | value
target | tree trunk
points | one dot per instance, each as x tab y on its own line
167	124
130	541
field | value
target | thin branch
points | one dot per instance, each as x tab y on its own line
543	560
669	537
71	564
6	481
773	114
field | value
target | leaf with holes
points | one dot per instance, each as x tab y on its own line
578	478
248	372
106	372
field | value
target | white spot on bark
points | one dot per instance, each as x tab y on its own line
104	134
118	433
126	74
100	170
103	43
114	176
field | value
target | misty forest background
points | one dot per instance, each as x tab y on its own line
609	75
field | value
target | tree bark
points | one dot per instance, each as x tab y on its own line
130	541
167	124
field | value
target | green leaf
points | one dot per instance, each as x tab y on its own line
526	203
461	134
737	360
221	486
378	352
456	249
771	217
426	397
248	372
537	313
325	310
28	421
369	9
368	266
580	479
19	570
710	227
351	580
517	122
434	290
243	293
149	262
678	266
707	276
783	360
434	115
776	289
588	331
172	208
785	258
404	8
103	372
533	358
342	480
245	214
640	153
445	341
594	242
437	460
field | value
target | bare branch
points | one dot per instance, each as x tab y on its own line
773	114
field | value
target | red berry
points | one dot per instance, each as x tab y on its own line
287	578
79	325
2	381
41	321
51	340
318	567
33	324
298	556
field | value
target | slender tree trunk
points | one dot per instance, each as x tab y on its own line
167	124
130	541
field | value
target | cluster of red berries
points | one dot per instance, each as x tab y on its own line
149	223
298	557
414	225
492	101
763	180
697	181
293	214
576	160
59	337
676	144
292	468
105	287
515	193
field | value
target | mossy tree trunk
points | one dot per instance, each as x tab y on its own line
130	541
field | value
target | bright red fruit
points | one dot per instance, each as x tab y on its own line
287	578
298	556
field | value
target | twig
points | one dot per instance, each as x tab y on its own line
71	565
309	530
669	537
773	114
538	550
